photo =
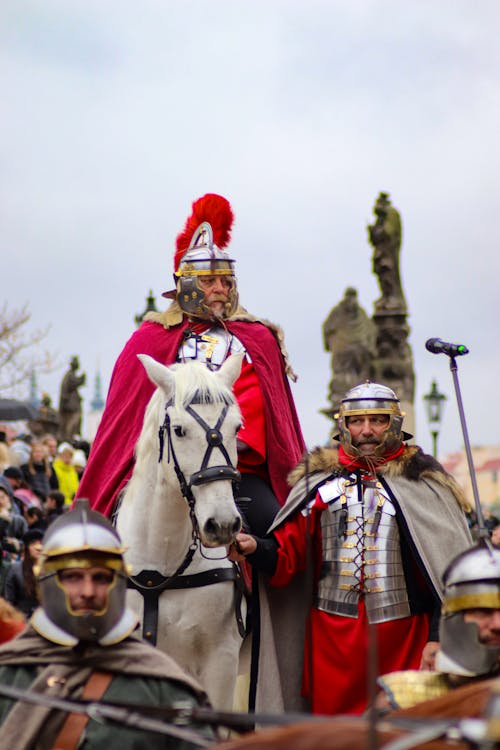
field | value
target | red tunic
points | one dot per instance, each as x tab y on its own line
111	459
336	647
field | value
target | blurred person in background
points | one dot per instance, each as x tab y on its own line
12	621
12	525
20	584
50	443
495	535
79	461
35	518
54	506
38	471
66	473
20	449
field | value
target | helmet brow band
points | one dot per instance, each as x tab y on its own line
484	600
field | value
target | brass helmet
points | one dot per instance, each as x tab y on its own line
371	398
81	538
200	253
471	581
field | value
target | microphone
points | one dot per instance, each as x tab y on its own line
436	346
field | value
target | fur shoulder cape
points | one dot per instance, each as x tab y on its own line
413	464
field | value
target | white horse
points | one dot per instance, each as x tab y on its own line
176	516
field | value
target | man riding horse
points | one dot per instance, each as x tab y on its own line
205	322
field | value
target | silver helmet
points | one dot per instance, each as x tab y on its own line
371	398
81	538
200	253
471	581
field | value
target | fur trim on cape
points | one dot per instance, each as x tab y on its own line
174	315
412	464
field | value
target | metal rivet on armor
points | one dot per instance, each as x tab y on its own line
149	583
149	634
54	680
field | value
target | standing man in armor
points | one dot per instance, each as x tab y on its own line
379	521
205	322
469	631
79	644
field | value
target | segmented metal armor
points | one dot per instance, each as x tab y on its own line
361	551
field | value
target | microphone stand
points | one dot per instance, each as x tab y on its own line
483	531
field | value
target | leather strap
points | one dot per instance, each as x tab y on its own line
75	724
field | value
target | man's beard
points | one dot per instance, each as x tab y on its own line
220	308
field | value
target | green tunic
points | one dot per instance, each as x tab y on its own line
36	728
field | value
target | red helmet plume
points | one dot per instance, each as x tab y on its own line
213	209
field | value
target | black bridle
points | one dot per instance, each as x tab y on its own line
214	440
151	584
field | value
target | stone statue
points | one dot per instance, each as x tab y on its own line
393	364
47	420
349	334
70	404
385	236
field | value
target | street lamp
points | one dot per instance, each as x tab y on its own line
434	404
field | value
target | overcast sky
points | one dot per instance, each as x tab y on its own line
117	115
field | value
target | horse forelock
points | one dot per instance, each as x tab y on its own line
195	383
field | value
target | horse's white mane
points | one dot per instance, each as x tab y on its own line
191	379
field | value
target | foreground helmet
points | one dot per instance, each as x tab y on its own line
81	538
371	398
471	581
200	253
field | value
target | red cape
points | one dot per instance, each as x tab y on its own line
112	456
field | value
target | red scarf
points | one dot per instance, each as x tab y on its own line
367	463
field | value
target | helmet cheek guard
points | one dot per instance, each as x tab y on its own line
371	398
82	539
471	582
200	252
191	296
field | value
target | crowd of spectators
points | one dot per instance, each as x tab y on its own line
39	478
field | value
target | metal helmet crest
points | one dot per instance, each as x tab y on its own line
471	581
200	253
81	538
371	398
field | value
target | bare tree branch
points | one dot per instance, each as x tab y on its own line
20	350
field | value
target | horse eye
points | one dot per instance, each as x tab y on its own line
238	428
179	431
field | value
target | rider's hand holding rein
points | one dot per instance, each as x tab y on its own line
243	545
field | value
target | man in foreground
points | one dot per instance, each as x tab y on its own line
378	521
79	644
205	322
469	632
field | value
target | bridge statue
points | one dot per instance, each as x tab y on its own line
385	236
374	348
349	334
70	403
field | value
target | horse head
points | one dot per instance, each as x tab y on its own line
199	423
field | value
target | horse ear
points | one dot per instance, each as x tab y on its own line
158	373
231	369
